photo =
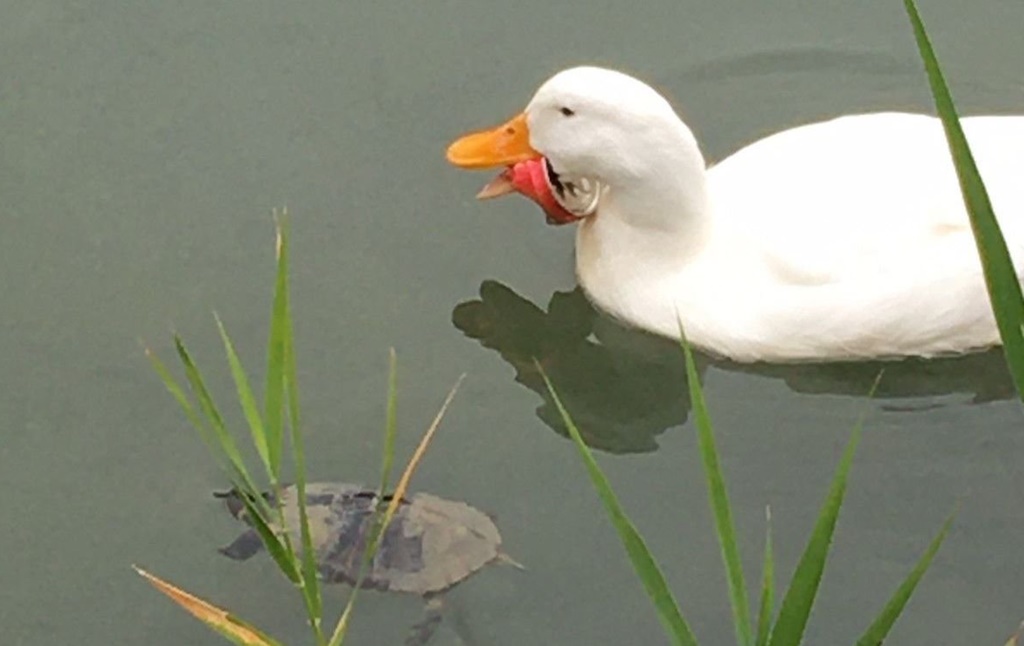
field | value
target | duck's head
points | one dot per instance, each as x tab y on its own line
586	131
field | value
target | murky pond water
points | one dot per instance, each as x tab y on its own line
144	145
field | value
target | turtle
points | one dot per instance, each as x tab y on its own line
430	545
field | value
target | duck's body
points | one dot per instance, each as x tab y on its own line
837	240
844	239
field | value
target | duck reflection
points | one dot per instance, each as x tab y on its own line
624	387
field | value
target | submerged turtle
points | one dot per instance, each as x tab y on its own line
430	545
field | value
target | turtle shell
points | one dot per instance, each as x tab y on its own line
430	545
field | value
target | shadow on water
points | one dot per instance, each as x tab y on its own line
625	387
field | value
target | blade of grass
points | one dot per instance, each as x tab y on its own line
643	562
238	631
718	497
245	397
310	577
215	423
396	498
255	504
879	629
417	456
391	423
387	459
764	614
1000	277
276	544
186	405
274	388
803	587
282	368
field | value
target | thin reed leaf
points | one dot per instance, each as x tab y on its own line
341	628
247	400
391	422
274	388
201	426
282	319
879	629
221	621
310	579
215	422
1000	277
643	562
179	395
276	543
764	614
803	587
718	497
387	459
403	482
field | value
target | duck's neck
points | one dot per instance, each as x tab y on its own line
648	230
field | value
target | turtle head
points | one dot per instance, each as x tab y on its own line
233	500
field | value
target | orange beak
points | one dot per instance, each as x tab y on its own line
505	145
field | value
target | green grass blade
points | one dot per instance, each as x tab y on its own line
224	441
764	614
179	395
718	497
274	543
391	423
203	428
796	605
247	400
282	322
383	517
274	389
1000	277
643	563
879	629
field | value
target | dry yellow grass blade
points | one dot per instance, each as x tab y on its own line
414	461
1018	637
396	498
238	631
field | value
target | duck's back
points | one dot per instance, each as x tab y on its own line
831	197
855	229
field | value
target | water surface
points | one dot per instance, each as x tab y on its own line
144	146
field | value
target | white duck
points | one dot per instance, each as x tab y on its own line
845	239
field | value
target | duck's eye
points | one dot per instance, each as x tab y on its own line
567	111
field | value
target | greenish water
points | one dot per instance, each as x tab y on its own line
143	147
